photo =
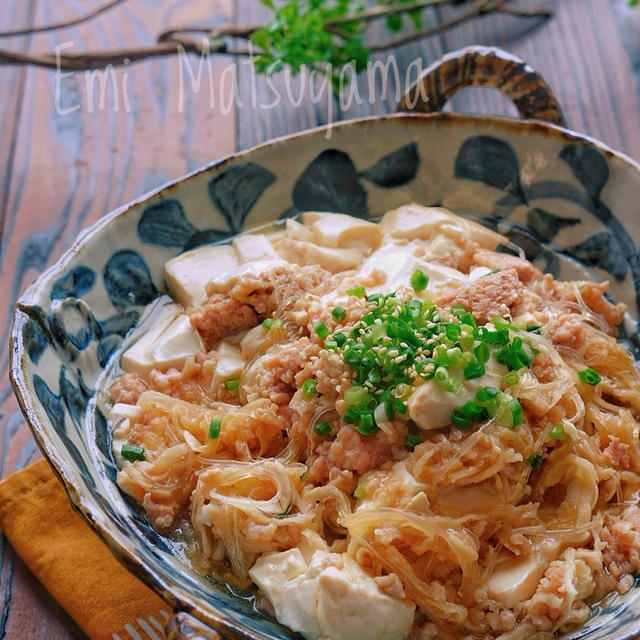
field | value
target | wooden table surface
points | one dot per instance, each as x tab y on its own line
69	155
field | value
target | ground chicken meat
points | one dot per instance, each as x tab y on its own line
273	291
618	453
589	294
272	375
489	296
127	388
221	316
526	271
351	451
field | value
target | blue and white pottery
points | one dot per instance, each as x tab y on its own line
568	200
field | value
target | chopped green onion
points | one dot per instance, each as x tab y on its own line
466	339
369	318
399	406
458	309
214	428
339	313
340	338
590	376
130	451
412	440
331	343
359	493
458	419
512	378
534	460
514	355
447	381
474	370
378	332
467	318
452	330
322	428
426	369
499	336
489	398
419	280
272	323
557	432
516	412
355	395
358	292
454	355
321	329
351	415
487	393
533	328
232	384
414	308
367	425
501	323
309	389
482	353
472	411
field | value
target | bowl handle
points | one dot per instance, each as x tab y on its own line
485	67
183	626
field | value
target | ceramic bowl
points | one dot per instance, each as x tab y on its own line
568	200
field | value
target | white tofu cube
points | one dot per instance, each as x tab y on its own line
167	343
188	274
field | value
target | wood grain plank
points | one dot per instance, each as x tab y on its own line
60	171
19	15
580	51
73	163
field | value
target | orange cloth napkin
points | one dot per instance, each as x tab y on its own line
73	564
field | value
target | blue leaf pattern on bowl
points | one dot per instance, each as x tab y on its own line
73	330
237	189
75	284
128	281
395	169
165	224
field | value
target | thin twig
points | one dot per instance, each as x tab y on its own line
173	41
66	23
382	11
482	9
230	30
101	59
526	13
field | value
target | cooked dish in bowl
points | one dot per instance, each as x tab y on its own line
393	430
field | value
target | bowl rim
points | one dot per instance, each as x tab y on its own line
170	592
